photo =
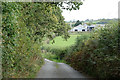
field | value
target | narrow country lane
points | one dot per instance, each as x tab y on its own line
58	70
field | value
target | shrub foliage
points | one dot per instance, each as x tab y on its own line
24	25
98	56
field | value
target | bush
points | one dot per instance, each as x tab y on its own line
98	56
21	56
59	52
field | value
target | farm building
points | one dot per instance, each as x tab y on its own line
79	28
89	28
85	27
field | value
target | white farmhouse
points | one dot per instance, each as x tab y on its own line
85	27
79	28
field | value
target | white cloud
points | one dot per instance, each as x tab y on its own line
93	9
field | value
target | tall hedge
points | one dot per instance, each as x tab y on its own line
24	25
20	53
99	55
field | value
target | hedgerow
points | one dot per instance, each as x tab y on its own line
20	53
98	56
24	25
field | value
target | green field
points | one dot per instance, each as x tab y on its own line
62	43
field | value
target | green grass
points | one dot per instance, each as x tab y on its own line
61	43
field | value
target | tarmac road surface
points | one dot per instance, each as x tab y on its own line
58	70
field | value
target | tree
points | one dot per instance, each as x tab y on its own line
70	5
24	25
77	23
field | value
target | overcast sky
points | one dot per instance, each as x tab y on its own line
93	9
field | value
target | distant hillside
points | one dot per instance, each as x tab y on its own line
87	21
101	21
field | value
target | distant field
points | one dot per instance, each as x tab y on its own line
61	43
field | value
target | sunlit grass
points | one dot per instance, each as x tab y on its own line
62	43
